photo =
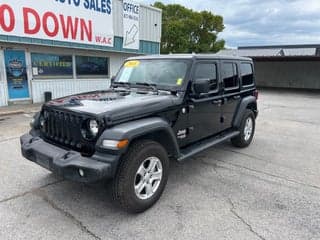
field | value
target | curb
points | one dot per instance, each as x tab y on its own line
15	112
3	114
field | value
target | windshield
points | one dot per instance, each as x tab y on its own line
159	72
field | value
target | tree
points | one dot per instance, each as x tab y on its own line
187	31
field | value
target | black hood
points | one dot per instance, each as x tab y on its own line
116	104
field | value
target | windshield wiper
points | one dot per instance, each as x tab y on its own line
149	85
121	84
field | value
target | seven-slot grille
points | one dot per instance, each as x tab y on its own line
62	127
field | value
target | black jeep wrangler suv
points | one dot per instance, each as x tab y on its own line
158	108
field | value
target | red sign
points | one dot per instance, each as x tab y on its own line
90	24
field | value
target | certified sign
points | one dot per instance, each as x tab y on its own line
79	21
131	15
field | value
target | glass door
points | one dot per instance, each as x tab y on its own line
17	78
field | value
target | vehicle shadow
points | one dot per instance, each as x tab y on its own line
95	200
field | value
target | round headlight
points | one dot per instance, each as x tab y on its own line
90	129
93	127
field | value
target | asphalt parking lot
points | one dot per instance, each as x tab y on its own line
270	190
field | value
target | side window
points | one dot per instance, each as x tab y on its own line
90	66
230	76
209	71
247	74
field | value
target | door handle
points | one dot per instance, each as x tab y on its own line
217	102
236	97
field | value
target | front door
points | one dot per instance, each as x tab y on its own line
205	111
17	80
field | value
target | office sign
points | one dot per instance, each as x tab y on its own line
17	79
79	21
131	31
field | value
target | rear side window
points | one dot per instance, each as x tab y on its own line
230	76
207	71
247	74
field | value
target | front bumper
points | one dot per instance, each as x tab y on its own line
66	163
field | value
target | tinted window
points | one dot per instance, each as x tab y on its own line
51	65
230	75
247	74
207	71
88	66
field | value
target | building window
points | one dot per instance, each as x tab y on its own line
247	74
92	66
207	71
230	76
51	66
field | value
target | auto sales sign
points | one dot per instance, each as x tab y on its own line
79	21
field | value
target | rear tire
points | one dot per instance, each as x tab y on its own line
141	177
247	129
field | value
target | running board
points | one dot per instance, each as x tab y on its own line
205	144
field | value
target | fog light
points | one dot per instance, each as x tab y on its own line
81	173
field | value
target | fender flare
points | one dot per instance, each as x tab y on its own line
139	128
243	105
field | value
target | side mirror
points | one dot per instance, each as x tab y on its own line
201	85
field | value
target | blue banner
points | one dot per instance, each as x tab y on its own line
17	79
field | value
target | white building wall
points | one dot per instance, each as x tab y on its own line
3	95
65	87
150	22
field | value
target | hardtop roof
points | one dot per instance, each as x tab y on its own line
191	56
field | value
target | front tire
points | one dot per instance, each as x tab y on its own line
141	177
247	129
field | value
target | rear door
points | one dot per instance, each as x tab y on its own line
247	75
231	91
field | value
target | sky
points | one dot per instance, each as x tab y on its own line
259	22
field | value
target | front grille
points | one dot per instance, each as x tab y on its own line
63	128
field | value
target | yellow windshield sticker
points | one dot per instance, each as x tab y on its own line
132	64
179	81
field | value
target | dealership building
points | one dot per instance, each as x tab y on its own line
67	47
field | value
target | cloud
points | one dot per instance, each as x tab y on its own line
256	22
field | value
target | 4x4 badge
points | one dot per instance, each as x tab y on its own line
182	134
